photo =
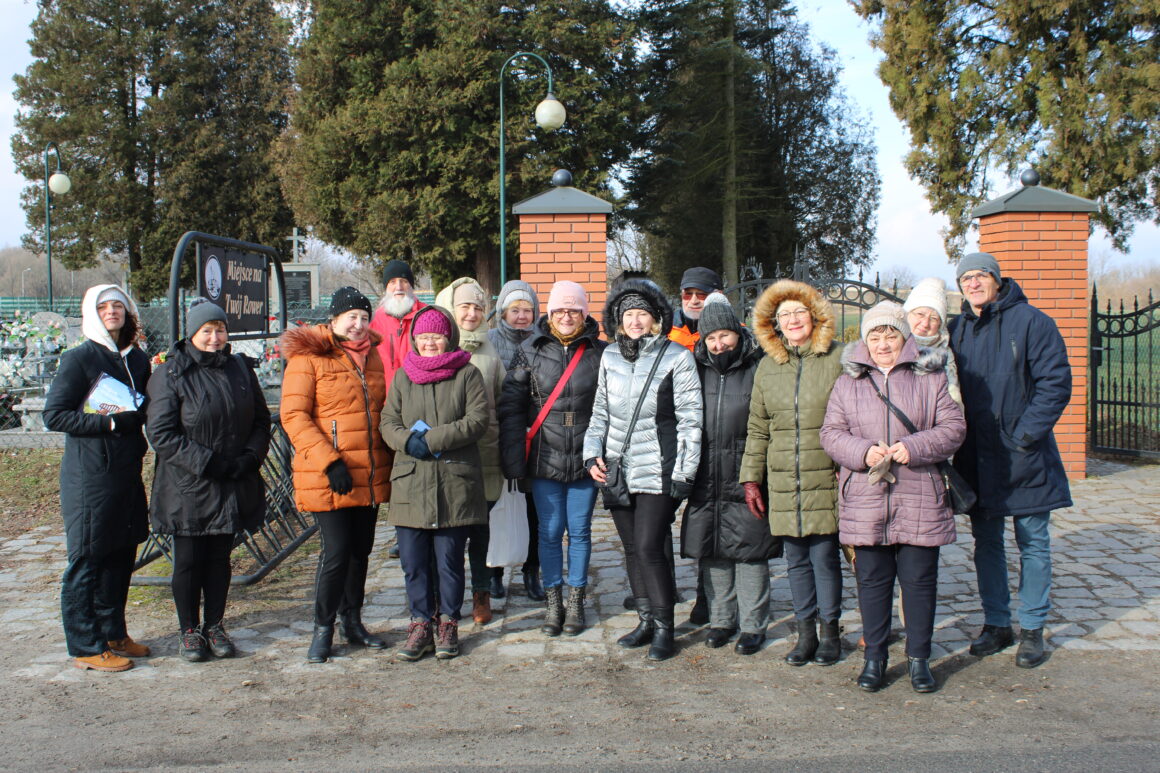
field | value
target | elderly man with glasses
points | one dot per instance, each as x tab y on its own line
696	284
1015	381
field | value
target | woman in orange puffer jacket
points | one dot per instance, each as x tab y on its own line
332	397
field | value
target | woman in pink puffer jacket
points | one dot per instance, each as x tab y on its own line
892	502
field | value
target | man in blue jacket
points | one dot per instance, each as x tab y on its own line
1015	381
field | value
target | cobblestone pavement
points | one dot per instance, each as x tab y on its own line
1106	596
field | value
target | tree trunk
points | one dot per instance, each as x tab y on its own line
729	201
487	270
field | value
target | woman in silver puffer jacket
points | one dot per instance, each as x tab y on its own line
658	457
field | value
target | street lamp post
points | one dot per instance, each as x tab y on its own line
57	182
22	273
550	115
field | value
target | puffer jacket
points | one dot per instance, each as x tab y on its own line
394	338
331	410
557	451
915	510
790	392
1016	382
717	522
491	367
102	498
446	491
506	339
202	403
666	442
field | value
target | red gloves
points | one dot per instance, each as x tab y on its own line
753	499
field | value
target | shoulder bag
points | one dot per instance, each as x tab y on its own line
543	414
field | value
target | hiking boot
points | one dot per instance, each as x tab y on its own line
219	642
554	617
574	620
106	661
447	639
481	607
128	648
420	641
193	646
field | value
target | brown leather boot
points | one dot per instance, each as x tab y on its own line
128	648
106	661
481	607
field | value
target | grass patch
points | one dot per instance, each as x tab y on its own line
29	489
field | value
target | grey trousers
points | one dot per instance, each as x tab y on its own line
738	592
815	576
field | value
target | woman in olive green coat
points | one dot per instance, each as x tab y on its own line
795	326
435	415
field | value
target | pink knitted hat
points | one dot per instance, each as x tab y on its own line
431	322
567	295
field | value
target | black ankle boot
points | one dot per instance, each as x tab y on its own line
496	586
873	676
355	632
829	644
663	646
1030	653
532	586
643	633
321	644
921	679
807	643
554	618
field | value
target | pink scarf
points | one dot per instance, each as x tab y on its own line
429	370
357	350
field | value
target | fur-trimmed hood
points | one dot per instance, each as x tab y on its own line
765	323
651	292
316	340
923	360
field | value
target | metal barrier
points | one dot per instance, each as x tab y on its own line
1124	383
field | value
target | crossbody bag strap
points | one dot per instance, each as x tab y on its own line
552	398
643	395
902	417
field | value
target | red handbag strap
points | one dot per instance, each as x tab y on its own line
552	398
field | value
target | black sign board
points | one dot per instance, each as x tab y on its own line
236	281
299	293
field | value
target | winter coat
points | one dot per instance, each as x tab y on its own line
102	498
683	331
717	522
666	441
940	345
201	404
394	338
915	510
790	392
331	410
506	339
446	491
1016	381
491	367
557	451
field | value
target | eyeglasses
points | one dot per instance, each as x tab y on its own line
430	338
970	279
690	294
925	316
567	313
782	316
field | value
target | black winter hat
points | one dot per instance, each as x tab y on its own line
203	310
347	298
701	278
396	269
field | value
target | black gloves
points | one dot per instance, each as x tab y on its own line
417	446
220	467
244	465
339	476
127	422
680	489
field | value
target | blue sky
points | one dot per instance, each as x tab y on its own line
908	233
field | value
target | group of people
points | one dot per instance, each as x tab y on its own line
780	439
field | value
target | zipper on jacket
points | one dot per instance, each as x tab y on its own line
334	434
889	517
370	430
797	445
720	454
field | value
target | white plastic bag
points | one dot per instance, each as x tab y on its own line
508	544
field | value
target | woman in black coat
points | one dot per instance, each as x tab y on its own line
732	545
210	427
102	497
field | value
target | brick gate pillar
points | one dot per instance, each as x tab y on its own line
564	235
1040	238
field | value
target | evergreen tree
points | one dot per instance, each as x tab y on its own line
393	151
164	112
1070	87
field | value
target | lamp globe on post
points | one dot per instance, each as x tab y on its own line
59	183
54	182
550	114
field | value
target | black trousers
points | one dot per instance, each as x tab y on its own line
201	574
478	540
917	571
645	531
533	562
93	593
433	585
348	535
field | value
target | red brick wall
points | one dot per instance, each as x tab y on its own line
1047	254
575	247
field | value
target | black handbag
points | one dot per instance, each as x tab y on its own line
960	496
615	489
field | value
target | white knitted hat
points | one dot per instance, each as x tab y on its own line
931	293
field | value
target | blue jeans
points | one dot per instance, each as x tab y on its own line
563	506
1031	534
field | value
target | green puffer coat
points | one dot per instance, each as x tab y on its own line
790	392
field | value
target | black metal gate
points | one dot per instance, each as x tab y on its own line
1124	379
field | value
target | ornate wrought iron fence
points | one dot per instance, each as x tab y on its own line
1124	380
